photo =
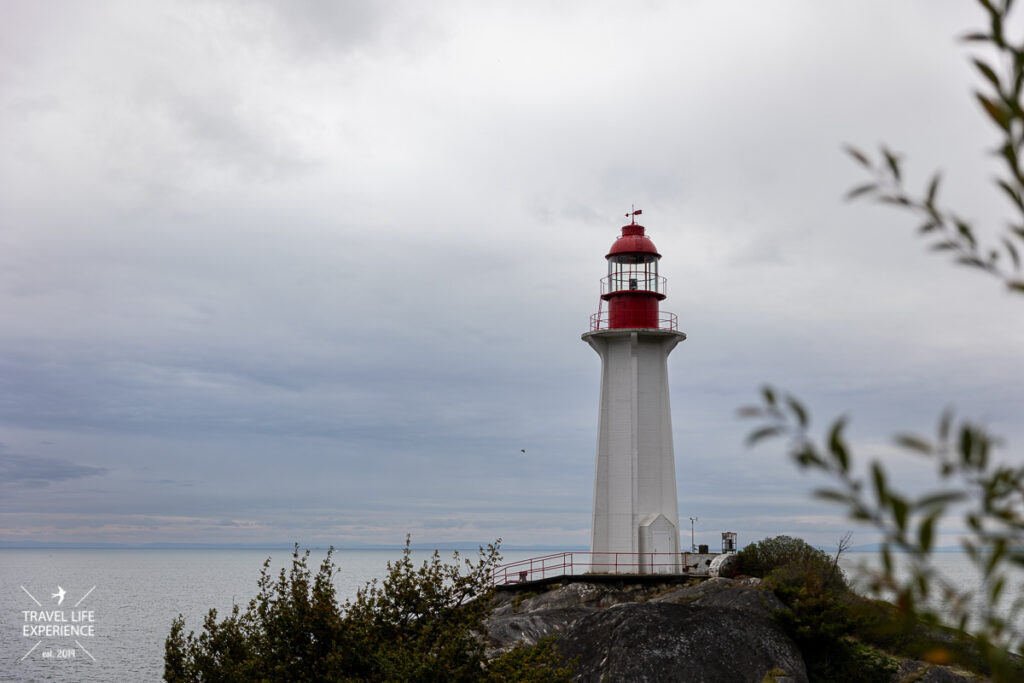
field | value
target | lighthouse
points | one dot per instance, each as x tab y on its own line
636	516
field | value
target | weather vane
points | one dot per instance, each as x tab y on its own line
633	214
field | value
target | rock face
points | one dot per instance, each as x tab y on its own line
718	630
668	642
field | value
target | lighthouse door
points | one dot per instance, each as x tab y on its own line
658	546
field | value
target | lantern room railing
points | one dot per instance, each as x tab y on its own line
666	321
633	282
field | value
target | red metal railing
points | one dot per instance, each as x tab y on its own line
577	563
666	321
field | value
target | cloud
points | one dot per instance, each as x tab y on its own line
324	266
32	472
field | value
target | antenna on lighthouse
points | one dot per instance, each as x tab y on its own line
633	213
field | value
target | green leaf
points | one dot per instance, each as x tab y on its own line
944	422
1012	251
798	411
965	230
750	411
859	190
913	443
922	584
836	445
996	556
807	457
976	38
1009	152
878	476
834	495
763	433
987	72
898	200
926	532
933	188
893	161
1011	192
899	511
858	155
1016	285
769	395
995	111
966	446
972	261
996	589
941	499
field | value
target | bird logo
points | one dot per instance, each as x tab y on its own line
59	595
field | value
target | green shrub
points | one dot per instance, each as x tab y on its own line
793	555
417	624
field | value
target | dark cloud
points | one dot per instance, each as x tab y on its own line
24	471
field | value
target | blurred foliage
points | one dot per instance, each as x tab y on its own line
988	494
417	624
1001	98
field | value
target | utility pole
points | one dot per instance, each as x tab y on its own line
693	548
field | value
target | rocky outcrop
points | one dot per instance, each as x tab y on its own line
717	630
671	642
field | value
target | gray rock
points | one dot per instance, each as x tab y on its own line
719	591
671	642
506	631
717	630
574	594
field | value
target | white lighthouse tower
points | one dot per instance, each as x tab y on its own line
636	515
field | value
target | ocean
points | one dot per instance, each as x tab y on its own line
119	603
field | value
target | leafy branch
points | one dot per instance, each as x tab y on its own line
990	494
1001	97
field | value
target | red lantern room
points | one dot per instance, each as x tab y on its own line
632	287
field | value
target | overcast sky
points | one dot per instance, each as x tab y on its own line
317	271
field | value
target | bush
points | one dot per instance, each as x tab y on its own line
795	557
417	624
818	612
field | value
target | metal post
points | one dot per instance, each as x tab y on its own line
693	548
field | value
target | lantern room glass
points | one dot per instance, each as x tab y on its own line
636	272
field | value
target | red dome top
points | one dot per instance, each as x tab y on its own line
633	241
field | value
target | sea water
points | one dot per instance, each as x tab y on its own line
118	604
131	596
